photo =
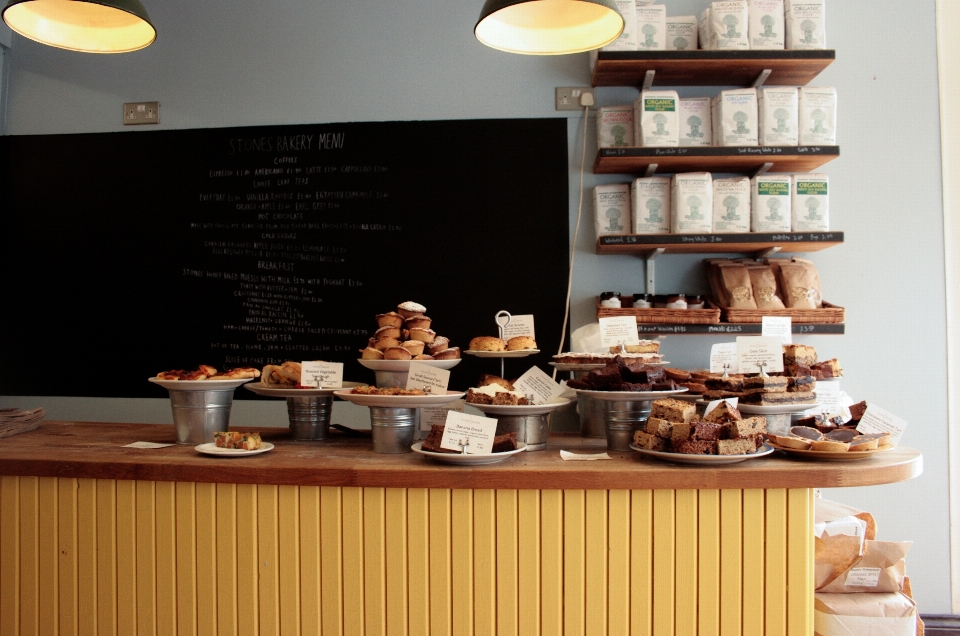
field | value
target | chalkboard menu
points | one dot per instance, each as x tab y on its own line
125	254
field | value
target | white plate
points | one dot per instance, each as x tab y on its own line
827	456
404	365
212	449
778	409
198	385
628	396
704	460
690	397
285	392
468	460
398	401
522	353
519	411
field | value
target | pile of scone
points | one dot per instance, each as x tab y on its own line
674	426
492	343
405	334
495	390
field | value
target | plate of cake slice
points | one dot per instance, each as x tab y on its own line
703	460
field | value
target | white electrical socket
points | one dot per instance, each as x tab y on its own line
136	113
568	97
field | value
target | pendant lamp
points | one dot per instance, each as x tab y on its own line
548	27
91	26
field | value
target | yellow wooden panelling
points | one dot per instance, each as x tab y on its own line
685	602
104	557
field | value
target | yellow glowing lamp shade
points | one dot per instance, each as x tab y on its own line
548	27
91	26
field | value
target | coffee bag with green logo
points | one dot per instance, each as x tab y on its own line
729	24
811	203
615	126
651	28
770	203
656	113
735	111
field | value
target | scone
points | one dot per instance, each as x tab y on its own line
410	309
521	343
487	343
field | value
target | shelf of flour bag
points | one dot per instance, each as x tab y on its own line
758	243
752	160
722	328
708	68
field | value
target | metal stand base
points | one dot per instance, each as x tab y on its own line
309	417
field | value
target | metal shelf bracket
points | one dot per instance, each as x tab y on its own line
770	252
649	259
762	77
648	80
764	169
651	170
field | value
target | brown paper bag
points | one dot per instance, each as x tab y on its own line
825	510
891	614
736	287
881	569
764	284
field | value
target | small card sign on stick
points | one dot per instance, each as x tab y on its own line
519	326
321	375
877	420
430	379
754	352
430	415
538	384
778	327
471	434
723	357
618	330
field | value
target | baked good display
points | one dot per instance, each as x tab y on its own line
395	390
496	394
839	440
405	334
240	441
674	426
621	374
521	343
646	351
286	375
501	443
644	346
206	372
487	343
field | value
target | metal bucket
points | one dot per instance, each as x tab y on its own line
623	418
530	429
197	415
593	416
393	429
391	379
309	417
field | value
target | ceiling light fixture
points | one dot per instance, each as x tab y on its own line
90	26
548	27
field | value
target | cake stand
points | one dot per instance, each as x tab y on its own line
309	410
393	418
393	373
200	407
503	319
625	412
530	422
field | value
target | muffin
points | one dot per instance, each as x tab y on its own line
390	319
423	335
410	309
397	353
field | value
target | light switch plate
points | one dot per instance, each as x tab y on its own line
136	113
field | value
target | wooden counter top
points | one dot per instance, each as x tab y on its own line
95	450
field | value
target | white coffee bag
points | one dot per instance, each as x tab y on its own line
779	110
695	122
805	24
731	205
651	205
615	126
704	32
770	204
766	24
652	28
682	33
818	116
628	38
611	205
811	203
738	117
691	203
656	111
729	23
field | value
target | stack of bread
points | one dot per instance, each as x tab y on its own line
405	334
674	426
497	391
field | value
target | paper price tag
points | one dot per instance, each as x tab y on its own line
828	397
778	327
146	445
754	351
470	432
712	405
430	415
322	375
519	326
863	577
619	329
427	378
721	354
877	420
540	385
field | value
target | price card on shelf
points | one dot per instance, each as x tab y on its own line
321	375
778	327
470	433
752	352
427	378
617	330
430	415
724	353
828	397
877	420
519	326
541	386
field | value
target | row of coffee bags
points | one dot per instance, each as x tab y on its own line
724	25
765	116
696	203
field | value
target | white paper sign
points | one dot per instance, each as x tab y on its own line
712	405
753	351
427	378
876	420
863	577
618	329
778	327
146	445
828	397
430	415
519	326
318	374
580	457
721	354
540	385
470	432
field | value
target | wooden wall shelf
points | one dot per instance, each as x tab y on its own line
741	160
747	243
740	329
709	68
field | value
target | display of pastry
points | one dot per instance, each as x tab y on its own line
622	374
206	372
240	441
674	426
501	443
405	334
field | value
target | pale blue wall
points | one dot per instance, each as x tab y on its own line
237	63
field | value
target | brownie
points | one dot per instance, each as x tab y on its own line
706	431
741	446
857	410
801	383
722	414
432	443
505	442
695	447
731	383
